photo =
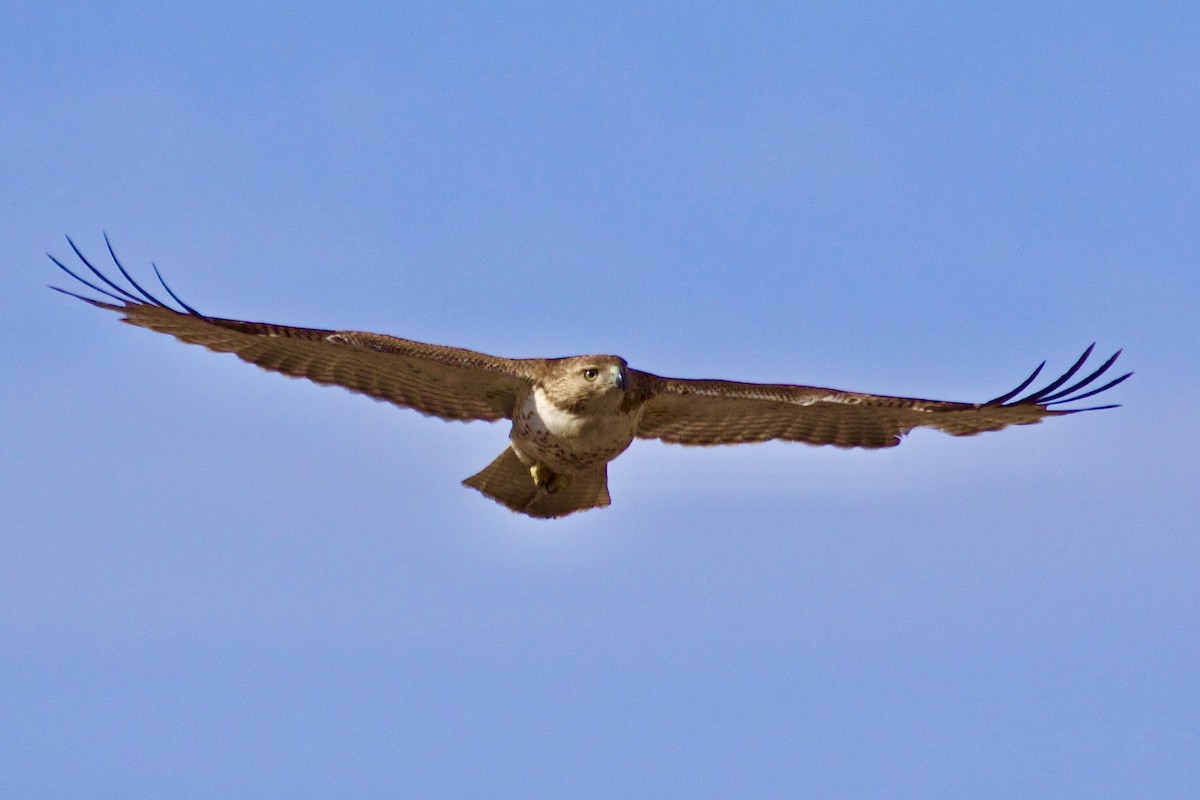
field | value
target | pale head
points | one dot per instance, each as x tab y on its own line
586	383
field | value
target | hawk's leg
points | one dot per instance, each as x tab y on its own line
545	479
541	474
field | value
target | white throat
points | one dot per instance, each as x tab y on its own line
554	419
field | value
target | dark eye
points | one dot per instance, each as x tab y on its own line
591	373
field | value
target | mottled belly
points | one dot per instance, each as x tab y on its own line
568	444
568	455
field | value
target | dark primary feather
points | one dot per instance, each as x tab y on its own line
708	412
448	382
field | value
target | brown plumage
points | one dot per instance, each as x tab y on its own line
571	416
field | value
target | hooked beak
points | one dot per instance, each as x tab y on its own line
618	377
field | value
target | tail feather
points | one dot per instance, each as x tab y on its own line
507	481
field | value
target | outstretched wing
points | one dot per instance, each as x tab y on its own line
446	382
706	412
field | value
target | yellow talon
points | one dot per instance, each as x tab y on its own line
559	483
550	481
541	474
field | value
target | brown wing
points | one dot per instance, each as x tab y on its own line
447	382
705	412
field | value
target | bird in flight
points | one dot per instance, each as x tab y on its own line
571	416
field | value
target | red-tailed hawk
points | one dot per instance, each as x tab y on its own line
571	416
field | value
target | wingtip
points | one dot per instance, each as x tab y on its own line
64	291
1063	411
115	291
174	296
1004	398
89	300
1052	394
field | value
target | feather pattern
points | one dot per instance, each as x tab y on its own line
447	382
708	412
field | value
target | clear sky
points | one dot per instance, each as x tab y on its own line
216	582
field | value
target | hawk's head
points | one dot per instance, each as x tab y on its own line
586	383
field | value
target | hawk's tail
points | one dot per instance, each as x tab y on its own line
507	481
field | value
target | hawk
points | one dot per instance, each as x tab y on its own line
571	416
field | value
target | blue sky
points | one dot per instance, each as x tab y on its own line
217	582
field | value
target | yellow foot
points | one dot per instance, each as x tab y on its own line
550	481
559	483
541	475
